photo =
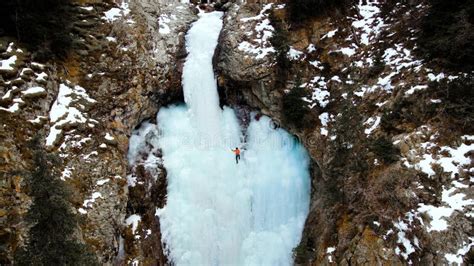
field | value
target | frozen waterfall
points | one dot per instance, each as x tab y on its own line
219	212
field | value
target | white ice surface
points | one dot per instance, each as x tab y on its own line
251	213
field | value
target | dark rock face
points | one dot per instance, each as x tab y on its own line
148	194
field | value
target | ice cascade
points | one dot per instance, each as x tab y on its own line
219	212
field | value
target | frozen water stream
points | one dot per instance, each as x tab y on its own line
219	212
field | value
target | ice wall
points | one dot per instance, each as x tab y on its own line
219	212
199	84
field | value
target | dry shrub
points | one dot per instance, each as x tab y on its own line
389	195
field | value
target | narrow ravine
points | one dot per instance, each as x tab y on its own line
219	212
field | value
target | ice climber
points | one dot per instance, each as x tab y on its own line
237	155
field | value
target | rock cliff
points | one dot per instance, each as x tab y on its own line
385	168
125	65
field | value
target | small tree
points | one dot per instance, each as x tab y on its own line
457	98
294	107
348	126
350	143
280	41
51	238
378	66
385	150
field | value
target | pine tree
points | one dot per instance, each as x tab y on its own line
294	107
51	239
350	144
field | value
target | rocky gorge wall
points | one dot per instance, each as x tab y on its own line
387	160
123	67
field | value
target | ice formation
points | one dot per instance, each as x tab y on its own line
219	212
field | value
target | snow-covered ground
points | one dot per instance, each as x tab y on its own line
219	212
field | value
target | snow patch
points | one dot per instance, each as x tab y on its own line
133	220
294	54
88	8
260	47
369	22
12	109
67	172
67	109
89	202
94	153
163	22
110	39
347	51
260	16
320	94
131	180
330	34
403	240
108	137
116	13
437	78
33	91
329	251
311	48
456	157
324	118
373	123
102	181
459	255
317	64
453	201
41	76
38	119
8	63
10	47
416	88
